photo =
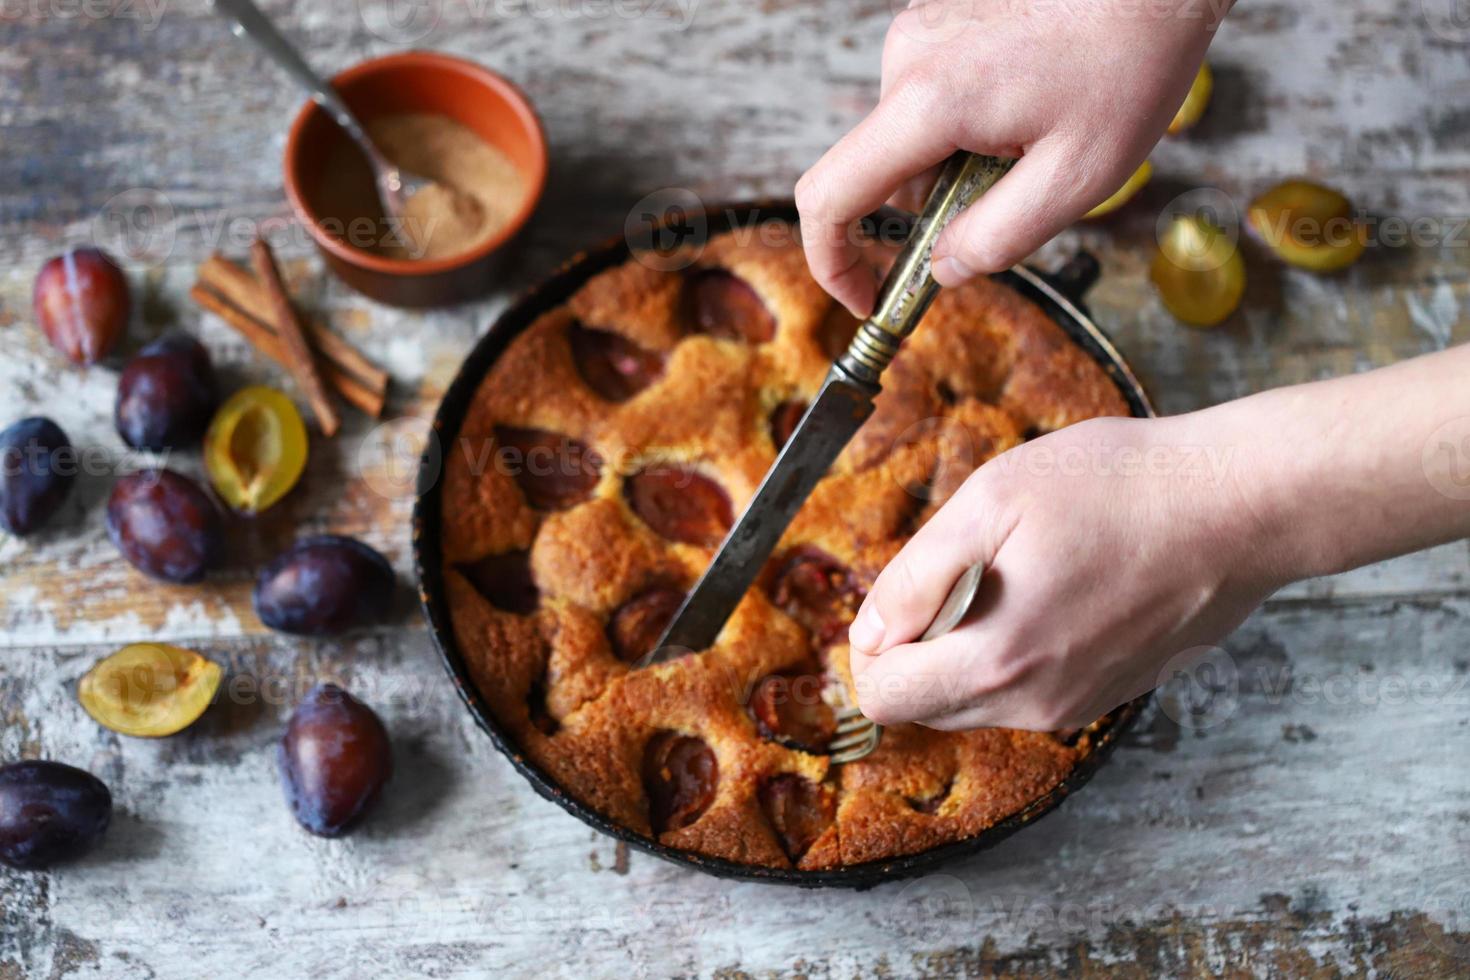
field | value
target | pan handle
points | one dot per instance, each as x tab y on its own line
1076	276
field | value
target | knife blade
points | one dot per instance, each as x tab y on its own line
839	410
841	407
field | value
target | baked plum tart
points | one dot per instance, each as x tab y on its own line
601	461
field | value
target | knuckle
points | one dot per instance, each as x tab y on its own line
896	587
811	196
923	92
985	252
982	491
880	703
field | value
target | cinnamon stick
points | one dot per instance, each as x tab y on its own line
300	360
263	338
242	289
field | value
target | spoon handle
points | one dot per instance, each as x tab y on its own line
248	22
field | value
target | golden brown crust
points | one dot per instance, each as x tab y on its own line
984	370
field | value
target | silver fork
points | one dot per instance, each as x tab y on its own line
857	736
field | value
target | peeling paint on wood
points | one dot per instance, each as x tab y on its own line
1306	814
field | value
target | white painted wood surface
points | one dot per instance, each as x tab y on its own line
1322	826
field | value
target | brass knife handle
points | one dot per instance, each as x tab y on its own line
909	288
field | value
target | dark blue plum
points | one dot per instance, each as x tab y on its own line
334	760
324	585
165	525
166	395
37	469
49	812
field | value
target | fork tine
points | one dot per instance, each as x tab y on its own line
857	736
859	751
853	739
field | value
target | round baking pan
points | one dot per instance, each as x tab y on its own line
1058	294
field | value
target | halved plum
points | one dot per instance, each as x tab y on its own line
255	448
149	690
784	419
637	624
680	504
836	331
721	304
553	470
788	708
1309	226
799	811
612	365
930	804
504	580
819	592
680	777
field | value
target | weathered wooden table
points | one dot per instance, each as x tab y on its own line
1315	819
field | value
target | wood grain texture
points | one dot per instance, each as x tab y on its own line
1311	820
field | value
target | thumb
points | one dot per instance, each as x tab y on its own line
910	590
1044	192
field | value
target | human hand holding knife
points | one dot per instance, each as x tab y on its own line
839	410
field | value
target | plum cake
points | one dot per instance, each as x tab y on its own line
603	458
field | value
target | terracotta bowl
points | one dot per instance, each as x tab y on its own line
415	81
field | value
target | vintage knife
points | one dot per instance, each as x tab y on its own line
839	410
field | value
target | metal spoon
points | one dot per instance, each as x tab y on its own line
394	186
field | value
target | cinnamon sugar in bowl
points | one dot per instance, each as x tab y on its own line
467	130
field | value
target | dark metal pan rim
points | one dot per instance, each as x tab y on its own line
1059	299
